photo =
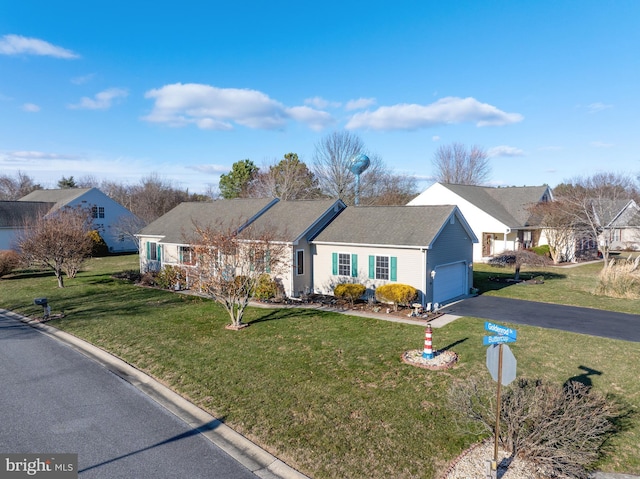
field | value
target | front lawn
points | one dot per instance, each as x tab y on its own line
325	392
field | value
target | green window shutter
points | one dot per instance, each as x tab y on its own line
181	255
158	256
334	265
372	267
394	268
267	259
354	265
148	251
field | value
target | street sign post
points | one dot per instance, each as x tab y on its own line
501	364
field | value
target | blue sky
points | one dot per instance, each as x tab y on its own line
119	90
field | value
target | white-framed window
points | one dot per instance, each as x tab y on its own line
187	255
300	262
382	267
344	264
152	250
97	211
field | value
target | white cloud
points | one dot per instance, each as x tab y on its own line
30	107
321	103
504	150
209	107
210	169
444	111
601	144
359	104
316	119
81	80
37	155
101	101
597	107
17	44
435	138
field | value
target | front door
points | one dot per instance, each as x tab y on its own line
487	244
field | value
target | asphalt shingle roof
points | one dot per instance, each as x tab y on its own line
178	224
387	225
507	204
289	220
19	213
58	197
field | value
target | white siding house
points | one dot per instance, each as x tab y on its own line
499	217
107	213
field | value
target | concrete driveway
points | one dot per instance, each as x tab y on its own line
589	321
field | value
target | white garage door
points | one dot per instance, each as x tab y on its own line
449	282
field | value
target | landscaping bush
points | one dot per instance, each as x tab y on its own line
542	250
560	428
396	294
171	277
266	288
349	291
9	260
99	248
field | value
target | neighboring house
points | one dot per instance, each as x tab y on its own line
499	217
427	247
15	216
166	241
108	215
620	222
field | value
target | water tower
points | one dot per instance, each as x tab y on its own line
357	165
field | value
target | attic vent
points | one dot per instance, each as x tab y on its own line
452	220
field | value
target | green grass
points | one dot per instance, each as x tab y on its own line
325	392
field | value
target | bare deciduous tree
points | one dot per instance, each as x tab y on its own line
229	265
331	163
559	227
58	241
288	179
378	186
15	188
456	164
592	202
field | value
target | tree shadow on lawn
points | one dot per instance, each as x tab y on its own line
283	313
493	281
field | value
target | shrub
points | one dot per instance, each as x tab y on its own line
396	294
349	291
620	279
560	428
99	247
266	288
171	277
542	250
9	260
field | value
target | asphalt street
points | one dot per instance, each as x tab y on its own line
589	321
55	400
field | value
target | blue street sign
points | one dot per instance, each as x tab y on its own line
501	330
489	340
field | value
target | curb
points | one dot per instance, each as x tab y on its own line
257	460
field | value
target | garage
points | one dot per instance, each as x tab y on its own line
449	282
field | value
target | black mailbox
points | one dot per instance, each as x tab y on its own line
40	301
